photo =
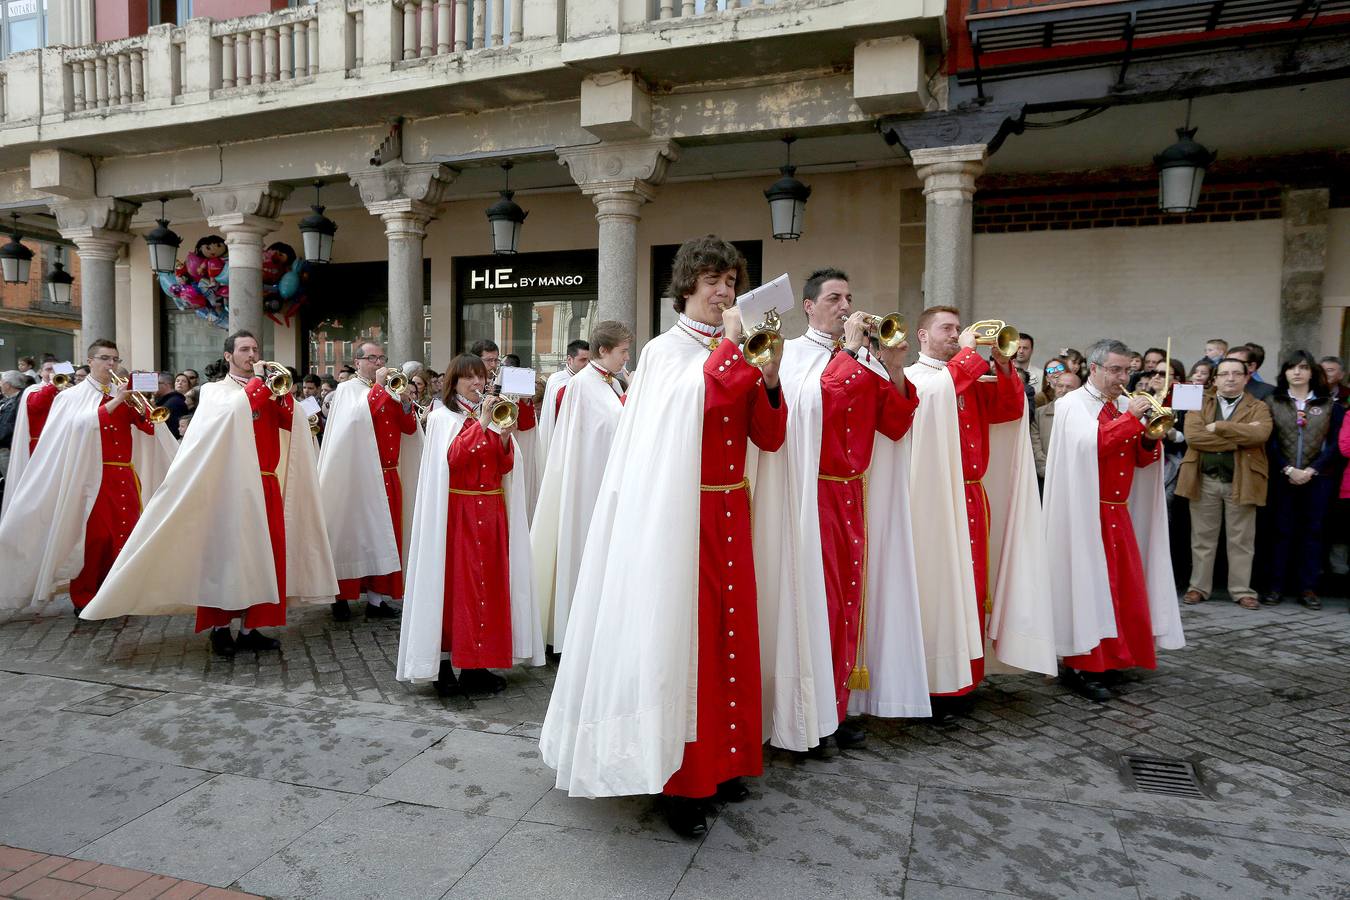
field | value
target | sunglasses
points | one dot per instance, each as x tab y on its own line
1053	370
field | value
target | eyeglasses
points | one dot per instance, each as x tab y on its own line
1116	370
110	359
1054	370
378	359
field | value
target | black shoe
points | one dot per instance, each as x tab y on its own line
481	681
733	791
446	684
222	642
686	817
849	735
383	611
944	710
1271	598
256	641
1112	677
819	751
342	611
1310	600
1086	684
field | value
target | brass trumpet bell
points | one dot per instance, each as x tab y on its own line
1160	419
278	378
396	383
996	333
764	342
62	381
891	329
139	402
505	413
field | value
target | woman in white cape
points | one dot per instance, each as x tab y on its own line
468	591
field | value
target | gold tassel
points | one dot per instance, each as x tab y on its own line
858	679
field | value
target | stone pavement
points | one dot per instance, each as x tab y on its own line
314	774
37	876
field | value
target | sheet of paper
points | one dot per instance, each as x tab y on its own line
144	382
517	382
1187	396
63	368
774	295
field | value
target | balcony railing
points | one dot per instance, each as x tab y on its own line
106	75
278	46
670	9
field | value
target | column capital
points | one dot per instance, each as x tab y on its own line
98	225
243	209
949	173
988	125
620	167
414	188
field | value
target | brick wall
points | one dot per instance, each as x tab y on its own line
1000	211
22	296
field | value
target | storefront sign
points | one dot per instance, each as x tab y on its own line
527	275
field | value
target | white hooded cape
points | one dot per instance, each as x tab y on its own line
578	451
1079	585
624	703
18	450
351	486
42	531
213	494
419	642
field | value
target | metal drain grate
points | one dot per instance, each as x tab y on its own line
1159	775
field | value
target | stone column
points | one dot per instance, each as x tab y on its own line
405	197
619	177
98	228
1304	266
244	214
948	175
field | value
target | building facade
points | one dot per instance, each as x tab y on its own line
995	155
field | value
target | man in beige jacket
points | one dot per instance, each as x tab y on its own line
1224	476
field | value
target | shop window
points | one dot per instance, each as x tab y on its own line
23	25
337	319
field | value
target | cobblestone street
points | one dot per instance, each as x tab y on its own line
316	774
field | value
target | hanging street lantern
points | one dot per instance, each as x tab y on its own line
505	218
317	230
15	258
1181	170
58	285
787	200
163	244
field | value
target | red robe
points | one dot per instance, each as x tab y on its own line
736	409
391	422
476	624
980	404
270	418
528	418
39	407
856	404
1120	448
117	505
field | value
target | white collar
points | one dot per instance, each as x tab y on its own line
1096	394
701	327
822	339
243	381
930	362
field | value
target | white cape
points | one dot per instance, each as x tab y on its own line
795	657
575	469
351	486
18	449
213	490
419	641
946	582
1079	586
548	421
42	532
624	703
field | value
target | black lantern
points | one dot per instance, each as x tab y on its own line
58	284
163	244
15	258
317	231
505	216
1181	170
787	200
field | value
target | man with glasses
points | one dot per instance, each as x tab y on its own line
1224	476
1111	576
83	489
371	453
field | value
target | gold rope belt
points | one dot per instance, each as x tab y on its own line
135	476
840	478
477	493
273	474
122	465
974	481
393	468
743	483
1116	502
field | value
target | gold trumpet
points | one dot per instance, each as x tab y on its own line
891	329
278	378
314	424
1160	419
996	333
505	412
62	381
396	383
764	342
140	402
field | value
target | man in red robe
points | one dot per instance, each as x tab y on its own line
39	403
391	418
982	399
1115	632
117	505
697	565
272	414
